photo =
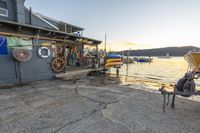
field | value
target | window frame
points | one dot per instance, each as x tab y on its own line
4	15
6	4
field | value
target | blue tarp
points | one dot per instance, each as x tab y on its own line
3	46
111	56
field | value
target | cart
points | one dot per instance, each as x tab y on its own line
185	86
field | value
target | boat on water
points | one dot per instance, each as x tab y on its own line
143	59
165	57
193	59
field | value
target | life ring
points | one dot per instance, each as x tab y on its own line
48	52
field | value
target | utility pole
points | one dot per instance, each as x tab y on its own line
105	45
105	56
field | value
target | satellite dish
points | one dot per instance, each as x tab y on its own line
22	55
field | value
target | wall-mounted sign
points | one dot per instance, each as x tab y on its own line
3	46
84	41
46	44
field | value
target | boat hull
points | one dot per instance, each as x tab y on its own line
113	60
113	64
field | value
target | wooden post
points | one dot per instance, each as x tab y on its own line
117	72
20	73
105	56
82	53
105	44
127	57
105	49
30	19
97	57
65	54
122	55
126	72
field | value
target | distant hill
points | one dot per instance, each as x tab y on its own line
173	51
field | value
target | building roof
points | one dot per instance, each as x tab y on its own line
48	18
51	22
66	36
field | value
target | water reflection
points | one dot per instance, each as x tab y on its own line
160	71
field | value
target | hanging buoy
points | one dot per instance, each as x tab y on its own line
48	52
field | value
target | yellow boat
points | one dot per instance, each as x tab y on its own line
112	64
193	59
113	60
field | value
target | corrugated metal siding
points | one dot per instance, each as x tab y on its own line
27	17
38	68
38	22
7	69
35	69
52	22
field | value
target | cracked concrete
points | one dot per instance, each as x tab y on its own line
94	105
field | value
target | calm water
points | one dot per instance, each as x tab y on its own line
166	71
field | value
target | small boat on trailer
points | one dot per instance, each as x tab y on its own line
185	86
193	59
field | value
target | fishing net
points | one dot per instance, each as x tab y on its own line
22	55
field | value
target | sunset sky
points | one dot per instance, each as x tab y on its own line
135	24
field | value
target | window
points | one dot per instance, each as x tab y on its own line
3	9
3	4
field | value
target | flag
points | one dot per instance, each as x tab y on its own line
16	42
3	46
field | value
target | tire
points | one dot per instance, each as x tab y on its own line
189	87
180	84
184	86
